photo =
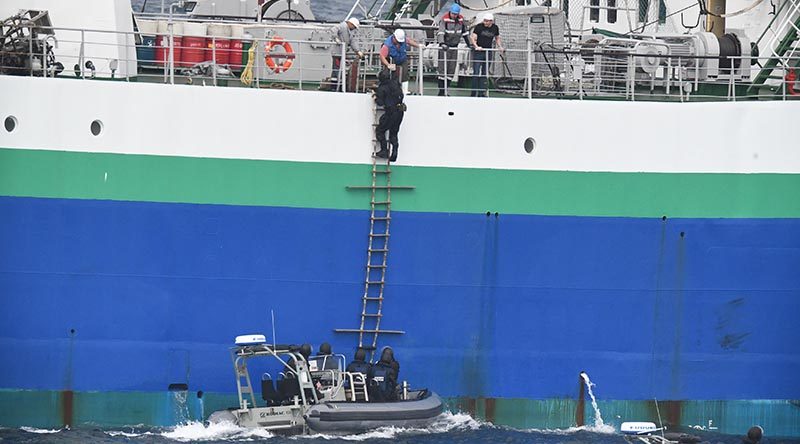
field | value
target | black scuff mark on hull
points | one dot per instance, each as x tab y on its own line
727	336
733	341
475	371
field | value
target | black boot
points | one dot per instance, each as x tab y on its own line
394	154
383	153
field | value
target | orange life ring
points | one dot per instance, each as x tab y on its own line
287	56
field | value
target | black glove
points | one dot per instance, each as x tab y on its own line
444	47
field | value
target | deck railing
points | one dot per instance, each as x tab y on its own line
568	71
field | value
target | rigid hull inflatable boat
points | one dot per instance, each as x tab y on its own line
418	409
318	394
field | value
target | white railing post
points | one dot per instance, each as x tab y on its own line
420	73
529	70
342	69
783	83
171	55
82	53
680	79
446	82
214	59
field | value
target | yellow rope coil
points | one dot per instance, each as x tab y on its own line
247	74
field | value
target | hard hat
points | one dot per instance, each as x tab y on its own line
455	9
489	16
400	35
354	21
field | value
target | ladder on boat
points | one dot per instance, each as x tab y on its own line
410	8
244	386
782	45
377	9
377	247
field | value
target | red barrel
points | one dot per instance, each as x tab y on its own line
235	60
162	43
219	43
162	50
194	44
236	55
222	53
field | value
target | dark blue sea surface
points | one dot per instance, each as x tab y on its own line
450	428
327	10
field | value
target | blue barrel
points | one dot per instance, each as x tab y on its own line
146	51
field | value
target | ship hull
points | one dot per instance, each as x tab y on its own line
130	261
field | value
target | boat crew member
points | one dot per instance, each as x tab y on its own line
327	360
394	55
389	95
343	34
305	352
359	363
484	35
383	377
451	30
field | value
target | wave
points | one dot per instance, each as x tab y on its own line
39	431
197	431
604	429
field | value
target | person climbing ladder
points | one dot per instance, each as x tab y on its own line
389	95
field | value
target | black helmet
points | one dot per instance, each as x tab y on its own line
305	350
325	349
361	355
387	355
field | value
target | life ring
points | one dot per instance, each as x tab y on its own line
287	56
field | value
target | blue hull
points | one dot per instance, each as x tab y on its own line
129	296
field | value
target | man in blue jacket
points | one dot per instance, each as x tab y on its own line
394	55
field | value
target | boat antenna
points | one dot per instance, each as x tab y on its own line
660	423
274	341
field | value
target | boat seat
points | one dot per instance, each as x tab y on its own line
288	389
268	392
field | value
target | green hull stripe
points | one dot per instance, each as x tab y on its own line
58	174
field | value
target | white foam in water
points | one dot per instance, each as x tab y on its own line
125	434
599	426
40	431
196	431
446	422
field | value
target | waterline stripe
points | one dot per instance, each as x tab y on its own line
60	174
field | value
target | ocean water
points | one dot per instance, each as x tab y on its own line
327	10
456	428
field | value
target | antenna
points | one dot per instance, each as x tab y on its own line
660	424
274	341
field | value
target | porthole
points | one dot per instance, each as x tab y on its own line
10	123
530	145
96	127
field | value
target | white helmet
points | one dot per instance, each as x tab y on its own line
489	16
354	21
400	35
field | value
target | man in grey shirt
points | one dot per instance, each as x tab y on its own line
343	35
